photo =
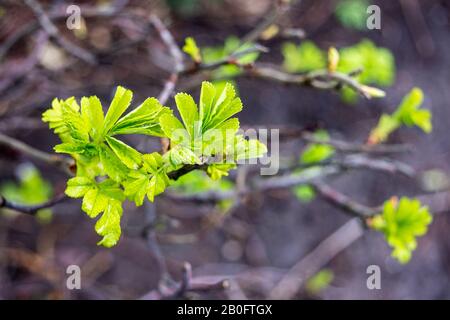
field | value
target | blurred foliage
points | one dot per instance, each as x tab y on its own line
319	282
352	13
317	152
184	7
313	153
231	45
434	180
377	65
408	113
190	47
305	57
196	182
304	193
31	189
401	222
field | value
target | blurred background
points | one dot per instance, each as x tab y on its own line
253	244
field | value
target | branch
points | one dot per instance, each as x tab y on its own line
230	59
62	163
187	284
342	201
280	7
337	242
353	147
4	203
53	31
320	79
176	54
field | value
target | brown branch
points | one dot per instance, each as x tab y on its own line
62	163
344	202
187	284
353	147
53	32
31	209
319	79
309	265
278	10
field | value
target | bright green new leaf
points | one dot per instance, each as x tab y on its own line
306	57
129	156
92	111
401	222
317	152
408	113
190	47
108	225
304	193
77	187
352	13
119	104
320	281
142	120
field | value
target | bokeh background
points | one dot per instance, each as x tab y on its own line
256	243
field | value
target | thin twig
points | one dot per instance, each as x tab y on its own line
344	202
334	244
31	209
53	31
63	163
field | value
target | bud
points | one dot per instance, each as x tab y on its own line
333	59
373	92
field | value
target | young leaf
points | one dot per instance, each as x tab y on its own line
142	120
401	222
108	225
119	104
77	187
188	111
190	47
91	109
317	152
129	156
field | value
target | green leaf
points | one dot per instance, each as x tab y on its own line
173	128
142	120
94	202
306	57
207	94
304	193
401	222
181	155
112	165
157	185
92	109
77	187
152	180
136	187
30	189
317	152
218	170
119	104
129	156
320	281
352	13
409	114
189	113
70	148
386	125
190	47
248	149
108	225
